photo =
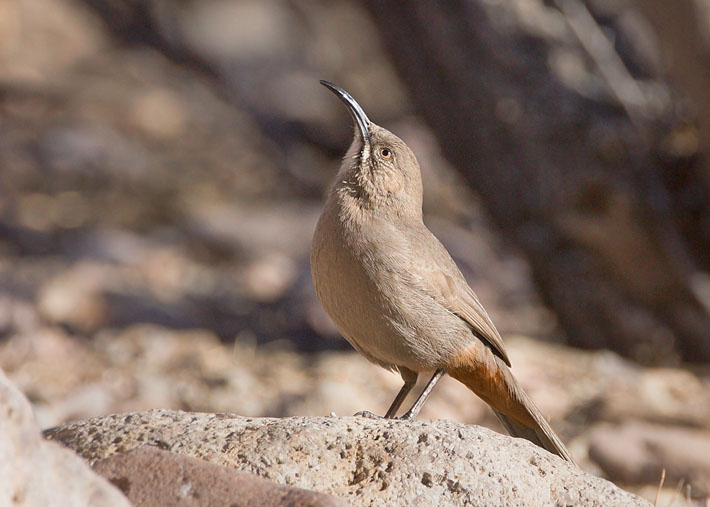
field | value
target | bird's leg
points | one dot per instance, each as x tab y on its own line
412	412
410	380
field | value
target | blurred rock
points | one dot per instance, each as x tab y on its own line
638	452
666	395
160	114
257	228
47	365
16	315
111	245
599	385
37	473
90	149
152	477
247	30
40	38
268	277
73	298
367	461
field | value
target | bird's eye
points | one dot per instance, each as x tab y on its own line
386	153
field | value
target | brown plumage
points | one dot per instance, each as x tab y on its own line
396	294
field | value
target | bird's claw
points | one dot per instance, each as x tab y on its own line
368	415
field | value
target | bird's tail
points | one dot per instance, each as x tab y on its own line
540	433
493	382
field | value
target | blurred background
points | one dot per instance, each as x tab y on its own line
163	163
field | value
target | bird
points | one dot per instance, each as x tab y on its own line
394	292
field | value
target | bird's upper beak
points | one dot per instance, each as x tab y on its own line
356	111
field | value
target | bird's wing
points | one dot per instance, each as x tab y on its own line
449	286
467	306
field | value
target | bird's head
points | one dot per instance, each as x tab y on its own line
379	169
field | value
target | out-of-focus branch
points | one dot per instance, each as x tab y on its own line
620	82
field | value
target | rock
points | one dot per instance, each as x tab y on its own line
159	113
150	476
56	372
81	148
74	298
675	396
40	39
247	30
34	472
568	383
369	462
637	452
253	230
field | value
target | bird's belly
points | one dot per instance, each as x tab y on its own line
388	326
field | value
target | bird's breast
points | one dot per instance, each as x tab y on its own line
361	276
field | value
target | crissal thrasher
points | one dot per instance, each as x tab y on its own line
396	294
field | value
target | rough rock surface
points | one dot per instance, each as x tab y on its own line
153	477
369	462
34	472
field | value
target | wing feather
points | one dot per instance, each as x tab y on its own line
450	288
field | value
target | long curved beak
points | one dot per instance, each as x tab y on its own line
356	111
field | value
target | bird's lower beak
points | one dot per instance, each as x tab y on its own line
356	111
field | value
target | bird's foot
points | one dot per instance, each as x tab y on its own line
408	416
369	415
405	417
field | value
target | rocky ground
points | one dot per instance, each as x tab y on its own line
155	221
366	461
